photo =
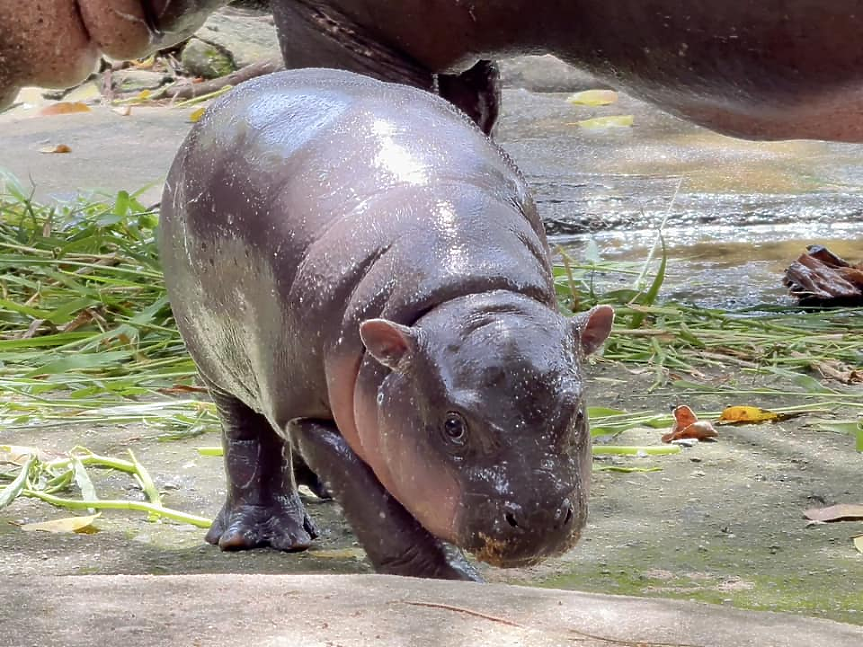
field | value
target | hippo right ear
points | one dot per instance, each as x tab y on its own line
592	327
387	341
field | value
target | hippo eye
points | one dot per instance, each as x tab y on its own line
455	428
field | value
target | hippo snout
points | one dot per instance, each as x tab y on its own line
517	518
510	534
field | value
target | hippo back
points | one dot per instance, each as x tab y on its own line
306	201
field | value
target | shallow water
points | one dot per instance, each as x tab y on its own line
736	213
720	266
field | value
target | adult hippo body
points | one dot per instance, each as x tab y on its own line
353	265
775	69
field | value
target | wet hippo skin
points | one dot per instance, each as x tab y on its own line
774	69
355	267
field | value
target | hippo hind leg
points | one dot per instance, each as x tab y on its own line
476	92
262	506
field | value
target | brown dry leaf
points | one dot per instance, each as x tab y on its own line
835	370
687	425
82	319
64	108
838	512
182	388
746	415
59	148
64	525
593	98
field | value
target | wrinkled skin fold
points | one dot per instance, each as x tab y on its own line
776	69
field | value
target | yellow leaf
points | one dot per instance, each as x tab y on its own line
59	148
593	98
66	524
143	95
20	454
339	553
747	415
858	543
64	108
614	121
197	114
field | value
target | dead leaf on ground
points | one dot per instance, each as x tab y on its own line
59	148
747	415
182	388
687	425
338	553
593	98
612	121
858	543
123	111
838	512
64	108
836	370
196	115
64	525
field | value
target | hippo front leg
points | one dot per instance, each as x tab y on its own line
262	506
395	542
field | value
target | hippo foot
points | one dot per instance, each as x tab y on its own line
283	525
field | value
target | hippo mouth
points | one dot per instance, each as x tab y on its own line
512	554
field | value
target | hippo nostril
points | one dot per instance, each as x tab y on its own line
510	519
568	517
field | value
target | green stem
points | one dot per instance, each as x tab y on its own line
108	504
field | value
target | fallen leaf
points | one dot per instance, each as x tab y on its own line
687	425
144	63
339	553
835	370
123	111
64	108
614	121
182	388
858	543
838	512
197	114
64	525
20	454
746	415
59	148
593	98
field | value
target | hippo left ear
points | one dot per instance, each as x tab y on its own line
592	327
387	341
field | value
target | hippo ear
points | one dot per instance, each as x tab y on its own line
592	327
387	341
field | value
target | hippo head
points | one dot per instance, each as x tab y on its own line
57	44
481	423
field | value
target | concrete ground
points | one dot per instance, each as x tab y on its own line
384	611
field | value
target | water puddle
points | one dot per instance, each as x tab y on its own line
722	266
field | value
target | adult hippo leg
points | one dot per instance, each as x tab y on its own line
476	91
303	475
395	542
262	507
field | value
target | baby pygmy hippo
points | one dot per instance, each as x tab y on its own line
362	278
